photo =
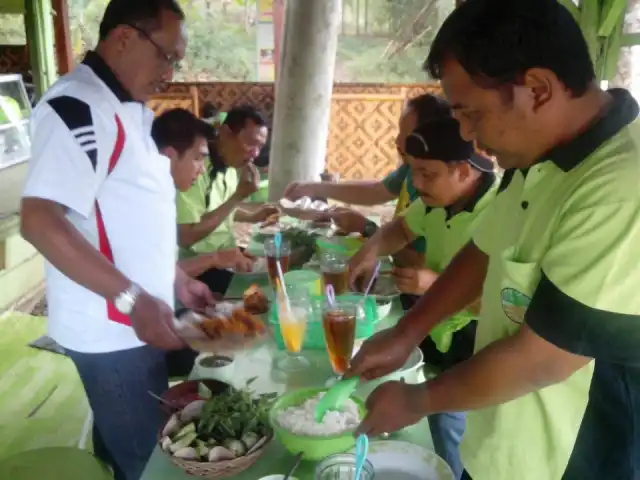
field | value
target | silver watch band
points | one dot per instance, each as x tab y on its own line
125	302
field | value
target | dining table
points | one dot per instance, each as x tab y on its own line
259	363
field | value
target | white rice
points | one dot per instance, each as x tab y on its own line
300	420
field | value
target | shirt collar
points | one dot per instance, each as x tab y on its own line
622	111
217	164
104	73
487	180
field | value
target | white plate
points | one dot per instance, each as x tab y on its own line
395	460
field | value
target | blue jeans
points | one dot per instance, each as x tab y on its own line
447	430
127	419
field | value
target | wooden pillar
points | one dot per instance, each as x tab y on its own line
64	52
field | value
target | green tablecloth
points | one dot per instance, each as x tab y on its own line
259	362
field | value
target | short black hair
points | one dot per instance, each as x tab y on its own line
139	13
497	41
428	106
179	128
208	110
238	116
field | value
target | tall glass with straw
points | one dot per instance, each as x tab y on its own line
293	316
339	322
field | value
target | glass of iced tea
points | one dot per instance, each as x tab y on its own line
339	324
335	271
275	255
293	319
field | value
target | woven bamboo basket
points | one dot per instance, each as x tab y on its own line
223	469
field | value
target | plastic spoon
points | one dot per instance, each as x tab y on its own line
362	449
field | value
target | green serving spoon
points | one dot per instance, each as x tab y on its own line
335	397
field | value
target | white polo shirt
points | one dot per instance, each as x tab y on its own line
92	152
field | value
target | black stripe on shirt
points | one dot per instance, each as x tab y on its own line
76	115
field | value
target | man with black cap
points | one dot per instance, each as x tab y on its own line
454	185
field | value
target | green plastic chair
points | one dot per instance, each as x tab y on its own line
55	463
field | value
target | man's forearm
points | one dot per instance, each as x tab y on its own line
356	193
457	286
198	265
46	227
191	233
391	238
503	371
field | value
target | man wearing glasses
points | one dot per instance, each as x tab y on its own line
99	204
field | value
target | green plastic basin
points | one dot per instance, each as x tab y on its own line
312	448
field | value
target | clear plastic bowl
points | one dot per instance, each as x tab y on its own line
342	467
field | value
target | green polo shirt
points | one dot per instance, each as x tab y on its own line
563	240
445	235
400	183
210	191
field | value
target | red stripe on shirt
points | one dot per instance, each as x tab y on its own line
103	239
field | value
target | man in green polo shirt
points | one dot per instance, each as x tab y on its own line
553	391
207	211
454	186
396	185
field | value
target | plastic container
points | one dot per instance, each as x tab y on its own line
342	467
312	447
305	279
347	246
314	337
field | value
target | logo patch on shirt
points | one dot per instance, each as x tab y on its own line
514	304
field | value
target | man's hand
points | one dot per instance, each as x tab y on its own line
152	320
235	259
361	267
381	354
297	190
263	213
249	182
414	281
348	220
194	294
391	407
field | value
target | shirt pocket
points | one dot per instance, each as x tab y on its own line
518	282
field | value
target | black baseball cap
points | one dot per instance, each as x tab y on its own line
440	139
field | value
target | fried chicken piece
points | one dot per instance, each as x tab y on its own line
255	301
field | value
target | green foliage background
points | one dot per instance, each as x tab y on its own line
381	40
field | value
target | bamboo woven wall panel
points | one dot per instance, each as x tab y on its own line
14	59
167	100
364	118
362	134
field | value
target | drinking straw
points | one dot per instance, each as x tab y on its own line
284	288
376	270
331	295
277	242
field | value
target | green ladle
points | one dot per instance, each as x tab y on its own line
335	397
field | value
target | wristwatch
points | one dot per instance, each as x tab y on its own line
369	229
126	300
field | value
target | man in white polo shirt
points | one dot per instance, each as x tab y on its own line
99	204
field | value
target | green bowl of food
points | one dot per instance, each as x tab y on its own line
292	421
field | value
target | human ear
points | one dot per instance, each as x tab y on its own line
538	86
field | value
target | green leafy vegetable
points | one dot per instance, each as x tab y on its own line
234	414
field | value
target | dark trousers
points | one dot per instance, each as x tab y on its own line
466	476
126	418
218	280
447	428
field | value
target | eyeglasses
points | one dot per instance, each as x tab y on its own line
170	60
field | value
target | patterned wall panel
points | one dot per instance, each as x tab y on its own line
362	133
363	125
14	59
